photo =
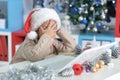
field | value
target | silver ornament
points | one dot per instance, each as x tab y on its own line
113	2
88	28
106	10
102	3
80	18
80	10
103	15
94	29
92	8
92	22
81	26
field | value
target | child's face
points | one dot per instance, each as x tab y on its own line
45	25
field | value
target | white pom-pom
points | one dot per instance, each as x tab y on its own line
32	35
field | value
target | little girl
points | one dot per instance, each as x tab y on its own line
42	27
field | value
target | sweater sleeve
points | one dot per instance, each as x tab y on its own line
35	52
68	44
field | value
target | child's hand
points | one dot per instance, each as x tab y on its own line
52	28
49	27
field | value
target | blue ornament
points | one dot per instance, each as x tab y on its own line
99	25
97	4
75	22
84	21
75	9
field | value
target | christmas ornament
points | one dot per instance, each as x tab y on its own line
106	10
80	10
97	66
75	22
106	58
92	22
102	3
101	63
77	69
100	66
113	2
92	8
88	28
84	21
66	72
116	52
87	11
97	4
80	18
99	25
78	50
93	69
103	15
95	29
87	69
81	26
75	9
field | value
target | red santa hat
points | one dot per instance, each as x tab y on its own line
36	18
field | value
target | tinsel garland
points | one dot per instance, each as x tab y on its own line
32	72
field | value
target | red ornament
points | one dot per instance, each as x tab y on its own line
77	69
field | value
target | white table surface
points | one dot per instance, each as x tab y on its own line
59	61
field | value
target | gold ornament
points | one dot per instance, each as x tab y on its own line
100	66
93	69
97	66
101	62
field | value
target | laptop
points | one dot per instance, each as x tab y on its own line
62	62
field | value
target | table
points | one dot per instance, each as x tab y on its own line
62	60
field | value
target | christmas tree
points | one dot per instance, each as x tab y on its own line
90	15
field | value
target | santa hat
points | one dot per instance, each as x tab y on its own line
36	18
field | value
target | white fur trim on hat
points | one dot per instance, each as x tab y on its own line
42	15
39	17
32	35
